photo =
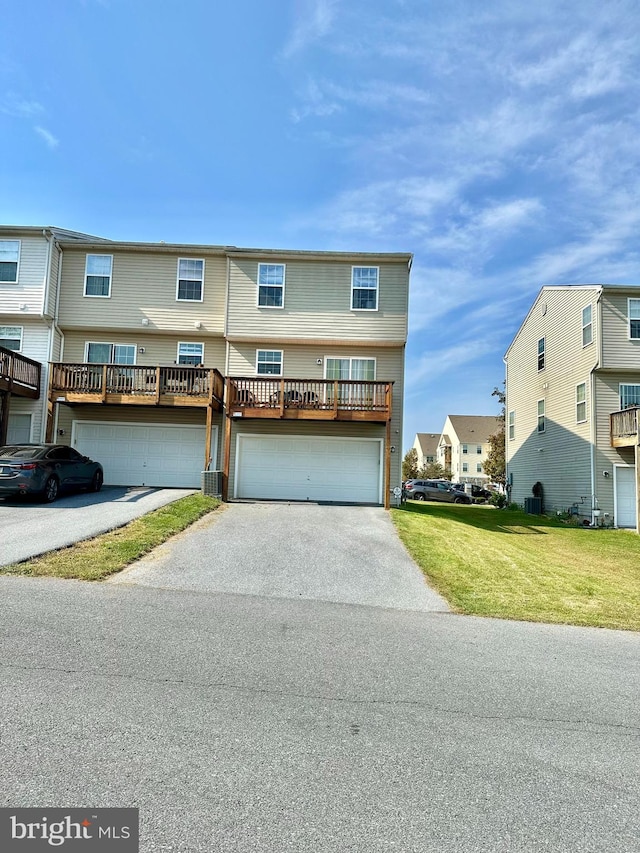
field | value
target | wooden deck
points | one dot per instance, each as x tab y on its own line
115	384
19	375
308	399
624	427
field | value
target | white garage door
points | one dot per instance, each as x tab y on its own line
625	482
309	469
144	455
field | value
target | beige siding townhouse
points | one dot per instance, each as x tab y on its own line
426	446
464	444
283	370
573	396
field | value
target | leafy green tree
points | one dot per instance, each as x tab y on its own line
434	471
495	463
410	465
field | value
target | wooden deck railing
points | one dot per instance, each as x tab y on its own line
308	398
624	427
131	384
18	374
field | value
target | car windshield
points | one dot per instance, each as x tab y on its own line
20	452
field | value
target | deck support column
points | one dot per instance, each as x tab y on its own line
207	438
387	465
5	403
227	458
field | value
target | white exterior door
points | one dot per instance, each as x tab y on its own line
309	469
625	495
144	454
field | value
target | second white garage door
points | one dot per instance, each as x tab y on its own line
144	455
309	469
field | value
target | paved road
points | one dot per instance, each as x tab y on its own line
241	723
28	528
346	554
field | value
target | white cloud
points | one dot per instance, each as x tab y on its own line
48	137
15	105
314	20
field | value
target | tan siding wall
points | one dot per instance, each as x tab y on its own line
317	302
560	457
158	349
134	415
617	350
23	406
607	396
50	307
31	277
143	285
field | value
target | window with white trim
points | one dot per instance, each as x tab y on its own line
19	429
581	402
634	318
362	369
465	449
541	354
587	325
465	467
269	362
479	467
9	261
190	353
97	280
190	286
11	337
364	288
98	352
629	396
479	448
512	425
271	285
541	416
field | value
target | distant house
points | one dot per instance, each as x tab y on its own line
464	444
426	446
572	402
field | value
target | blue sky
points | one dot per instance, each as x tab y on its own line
498	142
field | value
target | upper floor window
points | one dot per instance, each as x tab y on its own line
634	318
587	326
479	468
269	362
541	416
190	280
581	402
97	280
465	449
479	448
271	285
363	369
629	396
9	260
512	425
106	353
465	467
11	337
364	288
189	353
541	353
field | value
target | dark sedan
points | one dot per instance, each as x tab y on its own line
45	470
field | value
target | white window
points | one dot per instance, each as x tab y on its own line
271	285
269	362
479	448
9	260
541	353
629	396
190	280
479	467
581	402
512	425
541	416
11	337
587	326
361	369
364	288
105	353
19	429
465	448
465	467
634	318
97	280
189	353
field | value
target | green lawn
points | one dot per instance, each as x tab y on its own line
98	558
510	565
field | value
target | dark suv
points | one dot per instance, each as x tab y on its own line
435	490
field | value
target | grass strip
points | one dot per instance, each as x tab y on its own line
95	559
510	565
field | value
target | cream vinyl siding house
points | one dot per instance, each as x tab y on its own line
579	387
463	446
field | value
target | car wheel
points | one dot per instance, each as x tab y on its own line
96	483
419	496
51	488
458	501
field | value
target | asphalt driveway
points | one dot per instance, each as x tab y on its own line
345	554
28	528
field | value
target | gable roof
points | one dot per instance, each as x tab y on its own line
427	442
472	429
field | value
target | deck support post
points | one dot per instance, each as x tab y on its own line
227	458
207	438
387	465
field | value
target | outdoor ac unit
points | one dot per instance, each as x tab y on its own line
212	483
